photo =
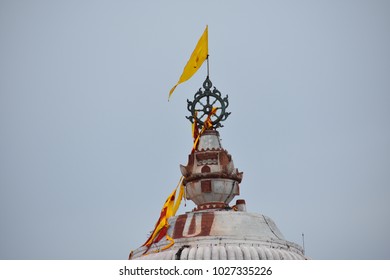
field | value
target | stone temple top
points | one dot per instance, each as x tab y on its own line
210	178
216	229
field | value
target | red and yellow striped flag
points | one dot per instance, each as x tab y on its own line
169	209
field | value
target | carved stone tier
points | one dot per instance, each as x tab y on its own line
210	178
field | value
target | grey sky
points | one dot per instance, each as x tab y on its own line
90	148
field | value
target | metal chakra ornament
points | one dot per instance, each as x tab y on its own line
202	106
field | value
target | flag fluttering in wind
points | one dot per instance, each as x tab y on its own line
196	60
169	209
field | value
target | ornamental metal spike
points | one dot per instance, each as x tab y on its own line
204	102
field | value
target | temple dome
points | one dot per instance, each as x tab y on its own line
223	235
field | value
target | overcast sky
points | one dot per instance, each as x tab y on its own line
90	147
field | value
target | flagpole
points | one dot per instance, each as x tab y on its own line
208	67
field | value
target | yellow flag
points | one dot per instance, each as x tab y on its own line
196	60
169	209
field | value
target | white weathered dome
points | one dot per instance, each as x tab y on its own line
223	235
